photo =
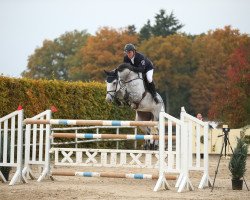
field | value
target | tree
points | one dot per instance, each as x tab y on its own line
231	102
210	53
55	58
207	59
146	32
229	38
173	70
131	30
104	51
165	25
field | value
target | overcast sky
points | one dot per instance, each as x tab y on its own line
25	24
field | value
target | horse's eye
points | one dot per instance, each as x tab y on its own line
114	83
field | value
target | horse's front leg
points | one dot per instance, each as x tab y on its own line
134	99
134	106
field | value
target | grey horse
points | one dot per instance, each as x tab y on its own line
125	86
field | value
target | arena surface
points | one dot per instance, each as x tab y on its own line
129	189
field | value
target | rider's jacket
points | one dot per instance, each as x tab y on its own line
140	61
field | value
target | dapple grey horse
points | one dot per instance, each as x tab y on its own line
128	87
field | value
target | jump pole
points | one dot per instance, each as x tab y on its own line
91	122
110	175
108	136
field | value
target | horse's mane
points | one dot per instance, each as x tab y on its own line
123	66
112	75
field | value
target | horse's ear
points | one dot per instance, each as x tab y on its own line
106	72
111	73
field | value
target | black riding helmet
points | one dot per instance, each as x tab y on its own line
129	47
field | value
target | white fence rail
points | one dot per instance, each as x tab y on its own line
11	144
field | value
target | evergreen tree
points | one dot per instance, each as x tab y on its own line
131	30
145	32
164	25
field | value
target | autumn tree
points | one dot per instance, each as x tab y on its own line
55	58
164	25
173	70
231	102
229	38
104	51
207	58
210	52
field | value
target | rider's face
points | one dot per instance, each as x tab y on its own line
130	54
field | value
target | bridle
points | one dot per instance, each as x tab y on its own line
115	90
122	83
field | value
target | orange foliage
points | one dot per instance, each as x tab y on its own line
231	103
210	54
104	51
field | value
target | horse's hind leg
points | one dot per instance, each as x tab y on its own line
147	144
147	116
155	130
144	116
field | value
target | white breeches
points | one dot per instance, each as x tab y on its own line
149	75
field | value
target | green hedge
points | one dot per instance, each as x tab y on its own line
74	100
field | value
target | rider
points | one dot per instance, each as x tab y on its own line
141	64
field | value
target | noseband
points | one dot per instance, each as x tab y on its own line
110	79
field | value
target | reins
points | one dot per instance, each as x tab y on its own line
122	83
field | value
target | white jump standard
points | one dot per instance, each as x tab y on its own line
178	158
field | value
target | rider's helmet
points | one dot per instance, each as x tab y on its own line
129	47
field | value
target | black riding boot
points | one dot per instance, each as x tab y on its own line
151	87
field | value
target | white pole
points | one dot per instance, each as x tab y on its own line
18	174
185	181
46	170
206	180
181	156
162	180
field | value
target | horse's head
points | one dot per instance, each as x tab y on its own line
112	85
121	83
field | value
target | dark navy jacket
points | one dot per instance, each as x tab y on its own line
141	62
